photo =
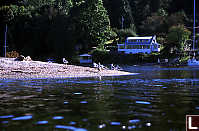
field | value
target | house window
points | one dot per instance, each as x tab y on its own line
131	41
145	46
121	46
130	47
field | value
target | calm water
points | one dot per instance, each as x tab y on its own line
155	99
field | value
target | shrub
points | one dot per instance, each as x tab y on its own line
177	36
99	55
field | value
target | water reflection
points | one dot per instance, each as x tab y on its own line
8	116
115	123
69	128
58	117
22	118
156	98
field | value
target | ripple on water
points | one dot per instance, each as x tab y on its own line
42	122
65	127
143	102
115	123
148	124
102	126
5	117
72	123
83	102
85	119
22	118
197	108
69	128
134	121
131	127
158	85
58	117
4	122
78	93
66	102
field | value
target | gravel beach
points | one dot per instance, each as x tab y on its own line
37	69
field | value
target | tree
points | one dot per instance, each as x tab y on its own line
6	14
92	19
177	37
176	19
122	34
154	24
120	13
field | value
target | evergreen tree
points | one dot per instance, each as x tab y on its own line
120	13
94	22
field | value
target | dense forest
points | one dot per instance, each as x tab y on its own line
66	28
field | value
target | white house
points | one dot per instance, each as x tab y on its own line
85	58
135	45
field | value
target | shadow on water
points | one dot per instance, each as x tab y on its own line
155	99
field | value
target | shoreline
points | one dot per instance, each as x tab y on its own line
10	69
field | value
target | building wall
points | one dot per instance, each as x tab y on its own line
135	51
139	45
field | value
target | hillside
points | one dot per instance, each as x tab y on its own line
65	28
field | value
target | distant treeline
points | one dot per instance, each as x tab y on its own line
66	28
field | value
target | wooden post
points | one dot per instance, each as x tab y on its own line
5	39
194	24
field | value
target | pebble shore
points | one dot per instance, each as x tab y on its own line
37	69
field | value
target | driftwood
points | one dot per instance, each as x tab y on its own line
27	72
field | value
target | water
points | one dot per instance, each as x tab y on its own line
157	98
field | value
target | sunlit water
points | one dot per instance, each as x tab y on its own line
155	99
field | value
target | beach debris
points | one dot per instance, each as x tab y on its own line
115	67
23	58
95	65
28	58
50	60
118	67
20	58
102	67
98	66
65	61
112	67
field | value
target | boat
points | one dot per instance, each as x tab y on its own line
192	61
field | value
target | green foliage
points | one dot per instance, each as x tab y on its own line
162	12
57	27
38	3
176	19
94	20
117	10
153	24
122	34
6	14
177	36
100	55
184	59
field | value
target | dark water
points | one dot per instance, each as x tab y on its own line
156	99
